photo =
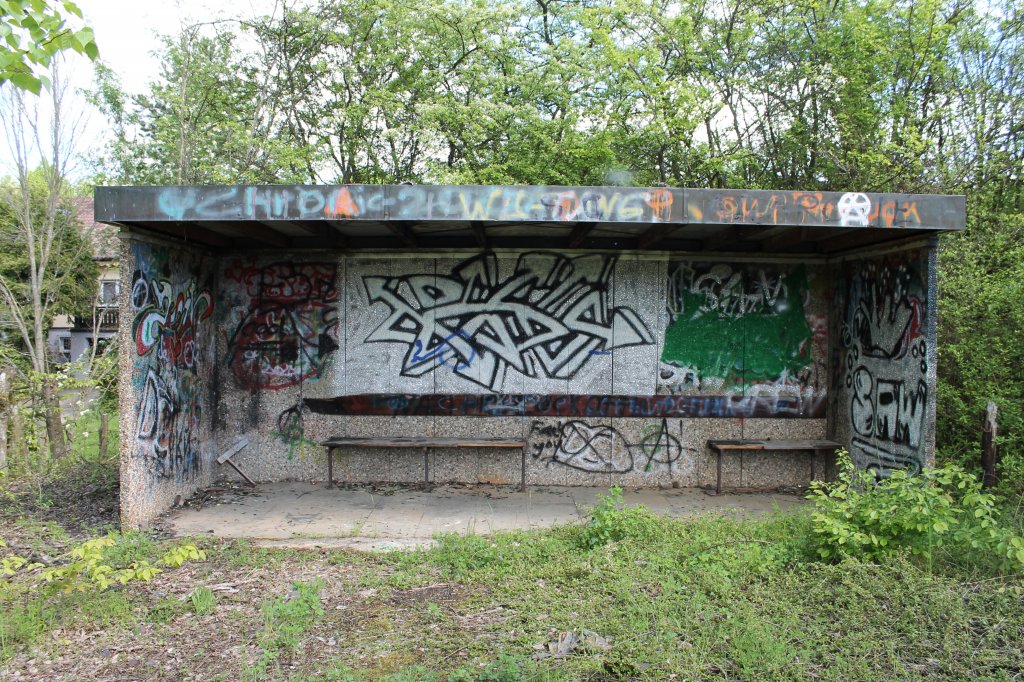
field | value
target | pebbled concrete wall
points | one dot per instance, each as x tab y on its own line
617	368
884	369
168	382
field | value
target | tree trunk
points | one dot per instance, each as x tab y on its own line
104	435
5	411
54	420
17	439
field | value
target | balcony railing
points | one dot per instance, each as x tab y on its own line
106	320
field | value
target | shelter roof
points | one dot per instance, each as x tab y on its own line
432	217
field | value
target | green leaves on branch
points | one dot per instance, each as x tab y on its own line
88	567
945	508
32	32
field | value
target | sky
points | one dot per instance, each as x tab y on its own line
126	30
126	34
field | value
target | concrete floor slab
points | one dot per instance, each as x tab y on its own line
306	514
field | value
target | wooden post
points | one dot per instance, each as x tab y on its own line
989	447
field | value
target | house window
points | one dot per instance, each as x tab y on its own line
109	290
65	347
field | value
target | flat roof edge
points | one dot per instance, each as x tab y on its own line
414	204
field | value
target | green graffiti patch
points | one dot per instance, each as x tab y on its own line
762	344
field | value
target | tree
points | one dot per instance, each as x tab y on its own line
31	33
206	119
41	242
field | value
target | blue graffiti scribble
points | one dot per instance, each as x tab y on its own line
597	351
175	202
419	356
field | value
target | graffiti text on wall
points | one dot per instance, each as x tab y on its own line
599	448
885	361
546	318
525	204
609	204
560	405
851	209
287	332
167	322
170	349
740	325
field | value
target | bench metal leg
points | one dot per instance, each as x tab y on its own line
718	483
330	468
426	469
522	476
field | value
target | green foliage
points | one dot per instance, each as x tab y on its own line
505	669
70	280
285	619
946	508
203	601
612	521
982	288
91	566
31	33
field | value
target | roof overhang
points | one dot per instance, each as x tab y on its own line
432	217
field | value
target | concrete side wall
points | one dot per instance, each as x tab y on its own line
168	383
883	395
616	368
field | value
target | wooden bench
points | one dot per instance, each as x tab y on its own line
423	443
741	446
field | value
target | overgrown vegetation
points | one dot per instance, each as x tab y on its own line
628	596
35	591
938	509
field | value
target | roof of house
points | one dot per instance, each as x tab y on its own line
101	237
525	216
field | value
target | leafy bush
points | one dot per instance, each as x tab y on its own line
981	278
612	521
89	567
859	515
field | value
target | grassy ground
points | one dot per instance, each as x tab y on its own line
709	598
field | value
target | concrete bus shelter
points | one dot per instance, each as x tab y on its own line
616	330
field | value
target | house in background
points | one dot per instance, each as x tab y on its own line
72	337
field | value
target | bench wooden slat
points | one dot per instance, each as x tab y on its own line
773	445
423	442
720	447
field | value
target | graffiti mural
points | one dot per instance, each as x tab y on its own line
546	318
601	448
169	311
287	330
167	321
884	366
736	326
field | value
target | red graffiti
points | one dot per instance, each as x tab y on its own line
287	332
167	321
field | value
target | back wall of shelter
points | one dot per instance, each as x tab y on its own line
617	368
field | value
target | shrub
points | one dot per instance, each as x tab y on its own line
860	515
612	521
90	567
